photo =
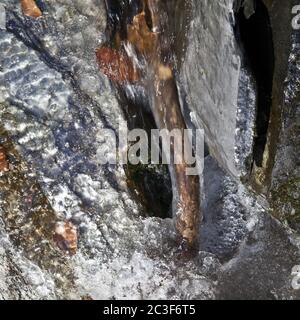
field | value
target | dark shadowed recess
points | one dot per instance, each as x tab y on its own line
150	185
256	36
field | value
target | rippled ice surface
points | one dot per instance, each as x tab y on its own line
54	103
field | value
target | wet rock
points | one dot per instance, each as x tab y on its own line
230	212
285	179
30	8
247	5
4	166
201	65
116	66
140	36
2	17
263	268
26	231
54	108
65	235
280	21
54	103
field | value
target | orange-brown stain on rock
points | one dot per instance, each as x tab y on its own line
65	236
116	65
30	9
4	165
140	36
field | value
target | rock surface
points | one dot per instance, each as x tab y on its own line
54	103
211	84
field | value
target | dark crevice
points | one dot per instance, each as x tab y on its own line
150	185
256	36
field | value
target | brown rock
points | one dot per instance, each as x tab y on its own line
66	236
140	36
30	8
4	165
116	65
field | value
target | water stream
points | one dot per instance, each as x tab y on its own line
142	31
